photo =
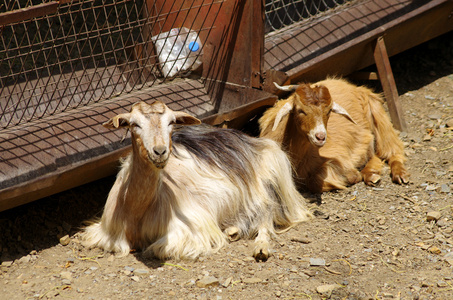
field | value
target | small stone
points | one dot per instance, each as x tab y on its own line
444	188
135	278
441	283
309	273
70	260
278	293
191	282
317	262
130	269
25	259
443	222
434	116
449	123
449	255
66	282
434	250
433	216
65	240
327	289
66	275
301	240
141	271
227	282
427	138
207	282
252	280
7	263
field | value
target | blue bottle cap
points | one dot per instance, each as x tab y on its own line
193	46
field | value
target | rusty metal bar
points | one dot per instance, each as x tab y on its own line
28	13
388	84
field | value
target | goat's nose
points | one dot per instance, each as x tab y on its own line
160	150
320	136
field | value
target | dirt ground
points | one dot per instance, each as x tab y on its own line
386	242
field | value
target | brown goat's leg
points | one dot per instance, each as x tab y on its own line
262	245
399	173
354	177
372	171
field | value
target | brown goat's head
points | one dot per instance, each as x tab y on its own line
151	127
311	108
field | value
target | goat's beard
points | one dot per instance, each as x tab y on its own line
158	163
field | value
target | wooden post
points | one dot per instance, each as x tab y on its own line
388	84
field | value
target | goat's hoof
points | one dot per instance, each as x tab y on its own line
372	179
261	252
232	233
399	173
400	178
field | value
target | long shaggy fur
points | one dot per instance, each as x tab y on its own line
349	147
215	179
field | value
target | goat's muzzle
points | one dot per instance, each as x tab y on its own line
159	156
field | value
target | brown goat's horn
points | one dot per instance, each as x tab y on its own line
287	88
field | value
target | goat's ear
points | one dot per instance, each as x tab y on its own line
284	110
183	118
336	108
119	121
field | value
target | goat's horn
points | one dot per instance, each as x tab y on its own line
287	88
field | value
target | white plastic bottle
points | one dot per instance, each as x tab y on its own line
194	51
179	50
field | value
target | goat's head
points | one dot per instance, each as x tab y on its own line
310	108
151	127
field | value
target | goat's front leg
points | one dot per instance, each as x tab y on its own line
262	245
233	233
399	173
372	171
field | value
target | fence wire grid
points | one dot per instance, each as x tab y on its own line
81	53
55	56
282	13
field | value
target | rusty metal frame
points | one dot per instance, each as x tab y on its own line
26	13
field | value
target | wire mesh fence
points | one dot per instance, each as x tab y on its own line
282	13
57	56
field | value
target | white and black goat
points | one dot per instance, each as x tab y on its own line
183	194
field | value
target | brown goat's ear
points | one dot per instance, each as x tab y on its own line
336	108
119	121
284	110
183	118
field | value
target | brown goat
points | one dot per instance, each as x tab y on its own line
328	150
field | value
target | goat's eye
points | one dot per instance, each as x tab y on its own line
135	125
300	111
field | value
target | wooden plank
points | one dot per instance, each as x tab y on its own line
305	54
388	85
